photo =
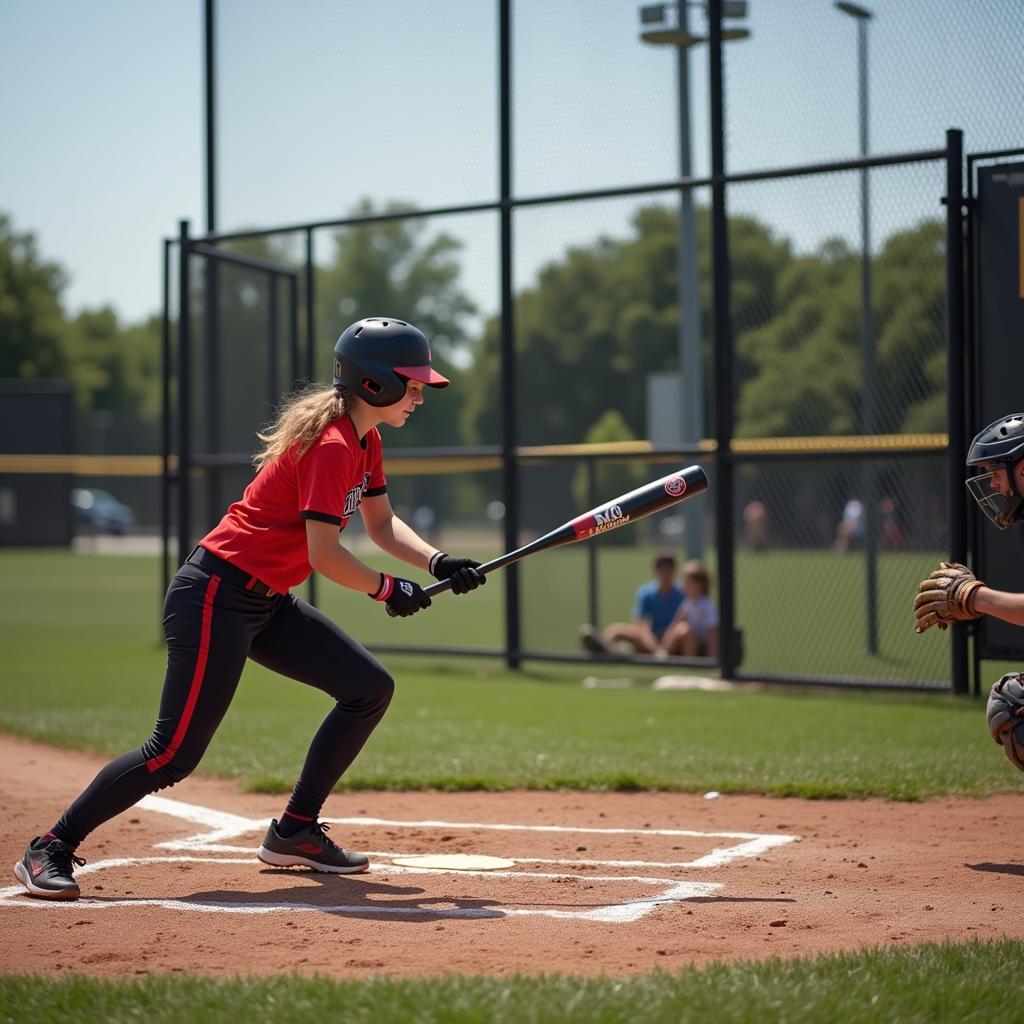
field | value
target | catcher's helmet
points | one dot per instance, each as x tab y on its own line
1001	442
374	358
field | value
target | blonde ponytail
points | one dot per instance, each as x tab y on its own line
300	420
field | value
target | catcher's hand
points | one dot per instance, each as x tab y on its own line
945	597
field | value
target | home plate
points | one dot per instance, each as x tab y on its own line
455	862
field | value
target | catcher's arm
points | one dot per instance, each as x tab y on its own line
999	603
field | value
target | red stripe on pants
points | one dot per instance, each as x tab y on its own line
197	680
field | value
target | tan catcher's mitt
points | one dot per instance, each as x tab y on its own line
945	597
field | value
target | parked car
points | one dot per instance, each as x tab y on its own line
100	512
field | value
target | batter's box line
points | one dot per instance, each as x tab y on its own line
230	826
615	913
573	862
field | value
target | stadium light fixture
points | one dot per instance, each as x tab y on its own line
854	10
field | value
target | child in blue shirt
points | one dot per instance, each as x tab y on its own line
655	606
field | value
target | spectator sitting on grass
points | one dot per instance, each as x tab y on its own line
694	630
654	608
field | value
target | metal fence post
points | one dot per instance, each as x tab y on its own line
510	470
273	316
956	379
212	384
184	396
165	426
210	97
592	499
722	344
310	350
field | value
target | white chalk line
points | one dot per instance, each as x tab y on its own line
700	862
231	826
226	826
673	892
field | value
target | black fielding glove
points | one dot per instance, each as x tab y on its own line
402	597
463	572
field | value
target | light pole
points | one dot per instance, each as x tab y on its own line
657	32
869	393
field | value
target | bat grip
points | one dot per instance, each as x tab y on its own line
441	586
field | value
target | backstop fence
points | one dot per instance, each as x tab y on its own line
798	331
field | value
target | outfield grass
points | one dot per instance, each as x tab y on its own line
83	668
801	612
927	984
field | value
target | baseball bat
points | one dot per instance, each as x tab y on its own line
656	496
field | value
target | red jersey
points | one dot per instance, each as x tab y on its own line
265	532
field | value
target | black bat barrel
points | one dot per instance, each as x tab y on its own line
653	497
628	508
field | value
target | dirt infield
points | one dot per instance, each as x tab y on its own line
603	883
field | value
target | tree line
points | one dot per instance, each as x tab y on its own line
591	328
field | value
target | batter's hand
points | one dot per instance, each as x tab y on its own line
946	596
402	597
463	572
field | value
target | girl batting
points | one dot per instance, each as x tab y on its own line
320	461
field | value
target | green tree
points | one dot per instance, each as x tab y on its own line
910	307
603	318
598	322
113	368
804	368
31	316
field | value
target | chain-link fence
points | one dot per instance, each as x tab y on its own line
526	208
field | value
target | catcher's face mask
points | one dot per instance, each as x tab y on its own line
997	494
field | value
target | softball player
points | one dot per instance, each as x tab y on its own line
954	594
320	461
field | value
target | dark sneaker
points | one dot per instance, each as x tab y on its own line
592	640
310	848
46	870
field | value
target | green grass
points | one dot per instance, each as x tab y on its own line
83	667
801	612
927	984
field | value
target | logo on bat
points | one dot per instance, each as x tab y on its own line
675	486
608	519
608	516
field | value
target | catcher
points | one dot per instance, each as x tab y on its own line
954	594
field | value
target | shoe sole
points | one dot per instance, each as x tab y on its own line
291	860
47	894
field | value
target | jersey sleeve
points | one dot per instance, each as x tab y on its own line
324	476
376	484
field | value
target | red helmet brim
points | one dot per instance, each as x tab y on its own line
424	374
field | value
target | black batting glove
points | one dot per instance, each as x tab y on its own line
463	572
402	597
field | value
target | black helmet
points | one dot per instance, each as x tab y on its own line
1001	442
374	358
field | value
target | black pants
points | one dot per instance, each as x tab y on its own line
213	624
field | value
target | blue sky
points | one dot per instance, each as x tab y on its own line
321	103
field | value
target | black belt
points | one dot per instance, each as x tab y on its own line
221	567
